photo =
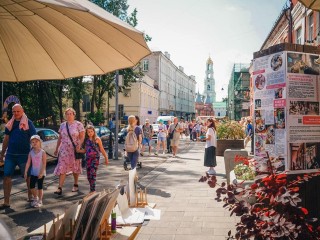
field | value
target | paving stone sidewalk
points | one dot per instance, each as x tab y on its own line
188	208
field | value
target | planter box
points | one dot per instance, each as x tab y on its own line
223	144
251	200
229	162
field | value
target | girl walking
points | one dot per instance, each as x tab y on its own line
93	148
210	147
162	136
37	159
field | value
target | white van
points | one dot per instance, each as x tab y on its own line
165	119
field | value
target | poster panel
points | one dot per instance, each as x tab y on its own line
303	122
269	78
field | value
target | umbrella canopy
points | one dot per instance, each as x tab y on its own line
311	4
58	39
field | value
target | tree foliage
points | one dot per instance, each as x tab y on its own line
43	100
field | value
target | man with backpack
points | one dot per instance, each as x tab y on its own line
147	133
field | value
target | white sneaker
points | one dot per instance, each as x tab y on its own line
34	202
39	204
164	153
211	172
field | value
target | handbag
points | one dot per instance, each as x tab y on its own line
77	155
171	134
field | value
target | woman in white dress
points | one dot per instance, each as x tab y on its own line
210	147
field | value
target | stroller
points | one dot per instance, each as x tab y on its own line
127	163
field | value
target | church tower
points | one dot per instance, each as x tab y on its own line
209	82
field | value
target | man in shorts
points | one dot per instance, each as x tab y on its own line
176	128
147	133
16	146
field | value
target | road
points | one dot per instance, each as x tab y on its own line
21	218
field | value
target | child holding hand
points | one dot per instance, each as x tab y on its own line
37	159
93	148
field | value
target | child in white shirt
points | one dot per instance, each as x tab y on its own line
37	159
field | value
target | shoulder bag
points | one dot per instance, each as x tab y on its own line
76	154
171	133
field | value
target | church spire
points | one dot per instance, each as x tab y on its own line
209	81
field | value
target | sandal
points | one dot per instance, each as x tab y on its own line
75	188
59	191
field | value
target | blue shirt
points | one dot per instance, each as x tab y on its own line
249	129
19	140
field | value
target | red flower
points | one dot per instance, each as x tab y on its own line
305	211
254	186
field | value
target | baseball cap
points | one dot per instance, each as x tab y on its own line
35	137
147	120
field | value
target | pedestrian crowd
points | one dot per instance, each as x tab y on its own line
23	147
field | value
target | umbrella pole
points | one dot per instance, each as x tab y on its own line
117	116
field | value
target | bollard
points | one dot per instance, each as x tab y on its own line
110	147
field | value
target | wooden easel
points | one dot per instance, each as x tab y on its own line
141	197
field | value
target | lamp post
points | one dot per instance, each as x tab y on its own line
226	100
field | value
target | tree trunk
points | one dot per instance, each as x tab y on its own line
94	93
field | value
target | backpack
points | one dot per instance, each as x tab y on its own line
131	143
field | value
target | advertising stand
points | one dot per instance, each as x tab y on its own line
286	109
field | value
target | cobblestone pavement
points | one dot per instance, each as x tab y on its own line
188	208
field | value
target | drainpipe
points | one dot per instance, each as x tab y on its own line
290	23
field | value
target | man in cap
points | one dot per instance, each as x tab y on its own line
147	133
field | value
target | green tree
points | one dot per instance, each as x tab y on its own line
105	83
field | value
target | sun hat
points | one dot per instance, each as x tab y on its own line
35	137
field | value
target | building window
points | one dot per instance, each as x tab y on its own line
310	27
298	34
145	67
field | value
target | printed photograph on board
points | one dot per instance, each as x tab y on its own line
276	62
305	156
302	63
260	81
260	121
279	117
270	134
257	103
279	93
259	140
303	108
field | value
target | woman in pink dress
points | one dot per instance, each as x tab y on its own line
66	160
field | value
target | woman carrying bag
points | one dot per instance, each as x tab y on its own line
210	147
71	137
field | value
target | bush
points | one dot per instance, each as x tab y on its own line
96	118
230	130
277	212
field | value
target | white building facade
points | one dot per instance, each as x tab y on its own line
141	99
176	89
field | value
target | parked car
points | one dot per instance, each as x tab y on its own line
122	135
104	134
155	131
49	139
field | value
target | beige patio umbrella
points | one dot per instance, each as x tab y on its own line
58	39
311	4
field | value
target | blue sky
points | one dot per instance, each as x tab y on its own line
191	30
